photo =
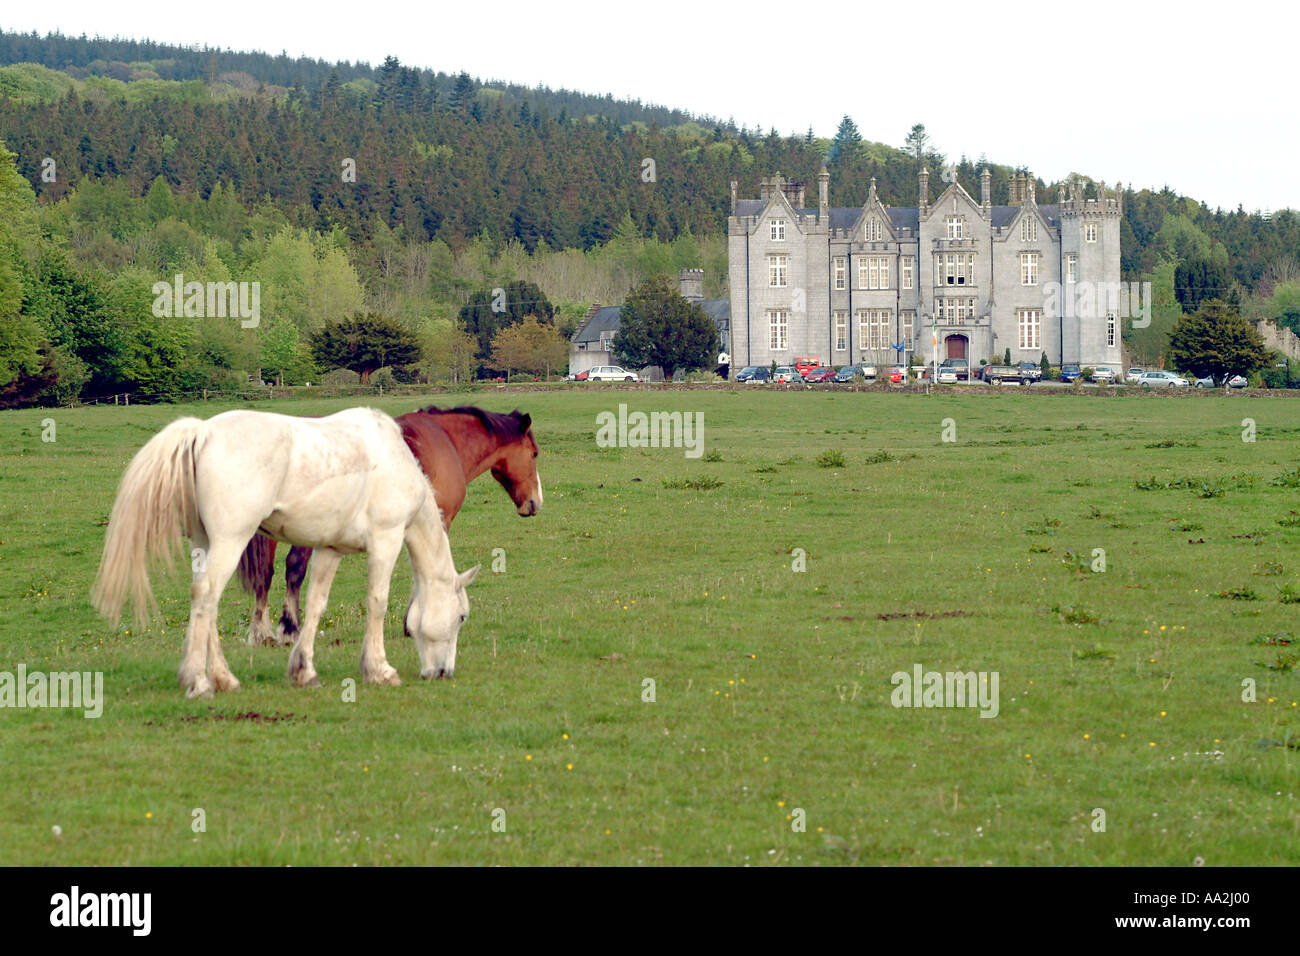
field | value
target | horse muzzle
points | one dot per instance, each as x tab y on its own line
528	508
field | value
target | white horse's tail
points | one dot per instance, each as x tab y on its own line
156	504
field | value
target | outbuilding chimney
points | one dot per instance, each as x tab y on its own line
692	284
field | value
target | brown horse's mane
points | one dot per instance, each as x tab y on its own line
501	426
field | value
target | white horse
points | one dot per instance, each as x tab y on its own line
341	484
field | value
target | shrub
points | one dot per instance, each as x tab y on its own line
831	459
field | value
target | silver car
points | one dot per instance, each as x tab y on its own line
611	373
1162	379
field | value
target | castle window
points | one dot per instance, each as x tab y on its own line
909	321
1028	269
907	271
956	227
1071	268
1030	323
841	272
877	272
1029	229
778	324
778	230
955	311
841	331
873	329
874	231
954	268
1110	328
776	271
1089	232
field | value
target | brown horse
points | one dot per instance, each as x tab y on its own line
453	446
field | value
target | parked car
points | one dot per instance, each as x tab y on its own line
1030	372
805	365
1001	374
1132	376
896	374
869	372
753	373
1070	373
947	375
611	373
786	374
1237	381
849	373
579	376
1206	381
961	365
819	374
1103	375
1162	379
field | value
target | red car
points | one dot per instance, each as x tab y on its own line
896	374
819	375
805	365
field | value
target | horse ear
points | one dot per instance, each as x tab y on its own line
465	578
525	420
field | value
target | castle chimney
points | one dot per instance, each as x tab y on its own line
986	189
1029	189
924	178
823	193
692	284
734	186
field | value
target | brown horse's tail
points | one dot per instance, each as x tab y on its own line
156	504
257	565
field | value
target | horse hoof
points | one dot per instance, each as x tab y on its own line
227	682
306	679
202	688
385	675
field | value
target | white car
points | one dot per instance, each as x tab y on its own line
1133	376
611	373
1104	374
786	374
947	375
1162	379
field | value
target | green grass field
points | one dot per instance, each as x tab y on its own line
1119	690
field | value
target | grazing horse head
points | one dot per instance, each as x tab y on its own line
435	624
515	467
502	444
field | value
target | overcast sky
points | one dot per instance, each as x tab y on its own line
1151	96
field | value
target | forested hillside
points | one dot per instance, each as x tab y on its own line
342	188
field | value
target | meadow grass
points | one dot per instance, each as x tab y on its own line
1120	690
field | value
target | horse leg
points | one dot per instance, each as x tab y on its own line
295	572
258	569
194	653
382	556
302	668
202	650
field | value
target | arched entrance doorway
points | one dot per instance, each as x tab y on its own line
956	345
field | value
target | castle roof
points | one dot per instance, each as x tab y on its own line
902	217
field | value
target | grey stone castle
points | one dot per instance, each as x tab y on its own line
953	278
